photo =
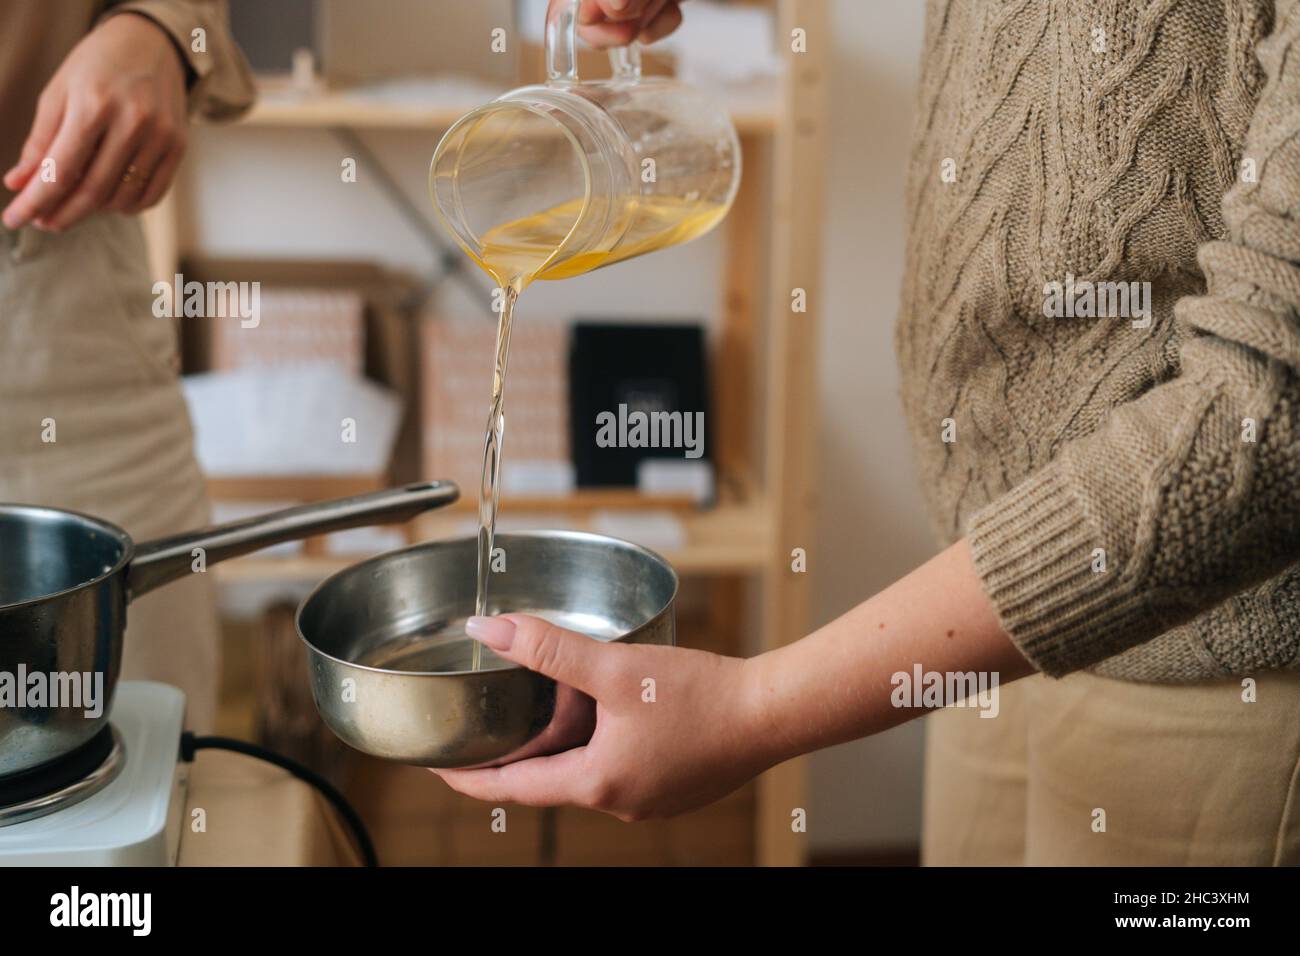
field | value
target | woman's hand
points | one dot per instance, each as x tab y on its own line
606	23
715	722
112	121
675	728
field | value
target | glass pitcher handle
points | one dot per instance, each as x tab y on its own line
562	48
626	61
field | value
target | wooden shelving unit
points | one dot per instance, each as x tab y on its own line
763	368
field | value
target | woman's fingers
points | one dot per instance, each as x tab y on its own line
161	176
658	25
132	183
563	779
602	24
79	134
128	132
606	23
139	174
571	658
593	11
604	35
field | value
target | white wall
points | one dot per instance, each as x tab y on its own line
871	528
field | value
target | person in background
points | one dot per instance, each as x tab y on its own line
1119	493
94	102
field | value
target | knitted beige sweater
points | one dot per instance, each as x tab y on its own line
1130	487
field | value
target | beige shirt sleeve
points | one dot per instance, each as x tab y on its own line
1190	492
222	83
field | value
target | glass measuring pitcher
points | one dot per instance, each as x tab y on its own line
554	180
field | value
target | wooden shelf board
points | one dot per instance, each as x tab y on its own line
729	539
321	487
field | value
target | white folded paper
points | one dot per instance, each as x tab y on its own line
310	419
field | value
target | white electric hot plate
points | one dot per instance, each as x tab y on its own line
135	819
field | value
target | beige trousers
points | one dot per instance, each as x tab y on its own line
84	361
1177	775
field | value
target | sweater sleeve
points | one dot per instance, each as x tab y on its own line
1191	493
222	83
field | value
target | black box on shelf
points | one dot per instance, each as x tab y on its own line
638	392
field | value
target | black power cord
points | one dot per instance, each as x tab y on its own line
190	744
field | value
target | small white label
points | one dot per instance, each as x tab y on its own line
537	478
675	476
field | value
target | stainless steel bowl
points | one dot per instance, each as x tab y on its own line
389	658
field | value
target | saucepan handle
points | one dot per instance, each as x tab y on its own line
166	559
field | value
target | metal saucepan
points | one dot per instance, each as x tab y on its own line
390	662
66	578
